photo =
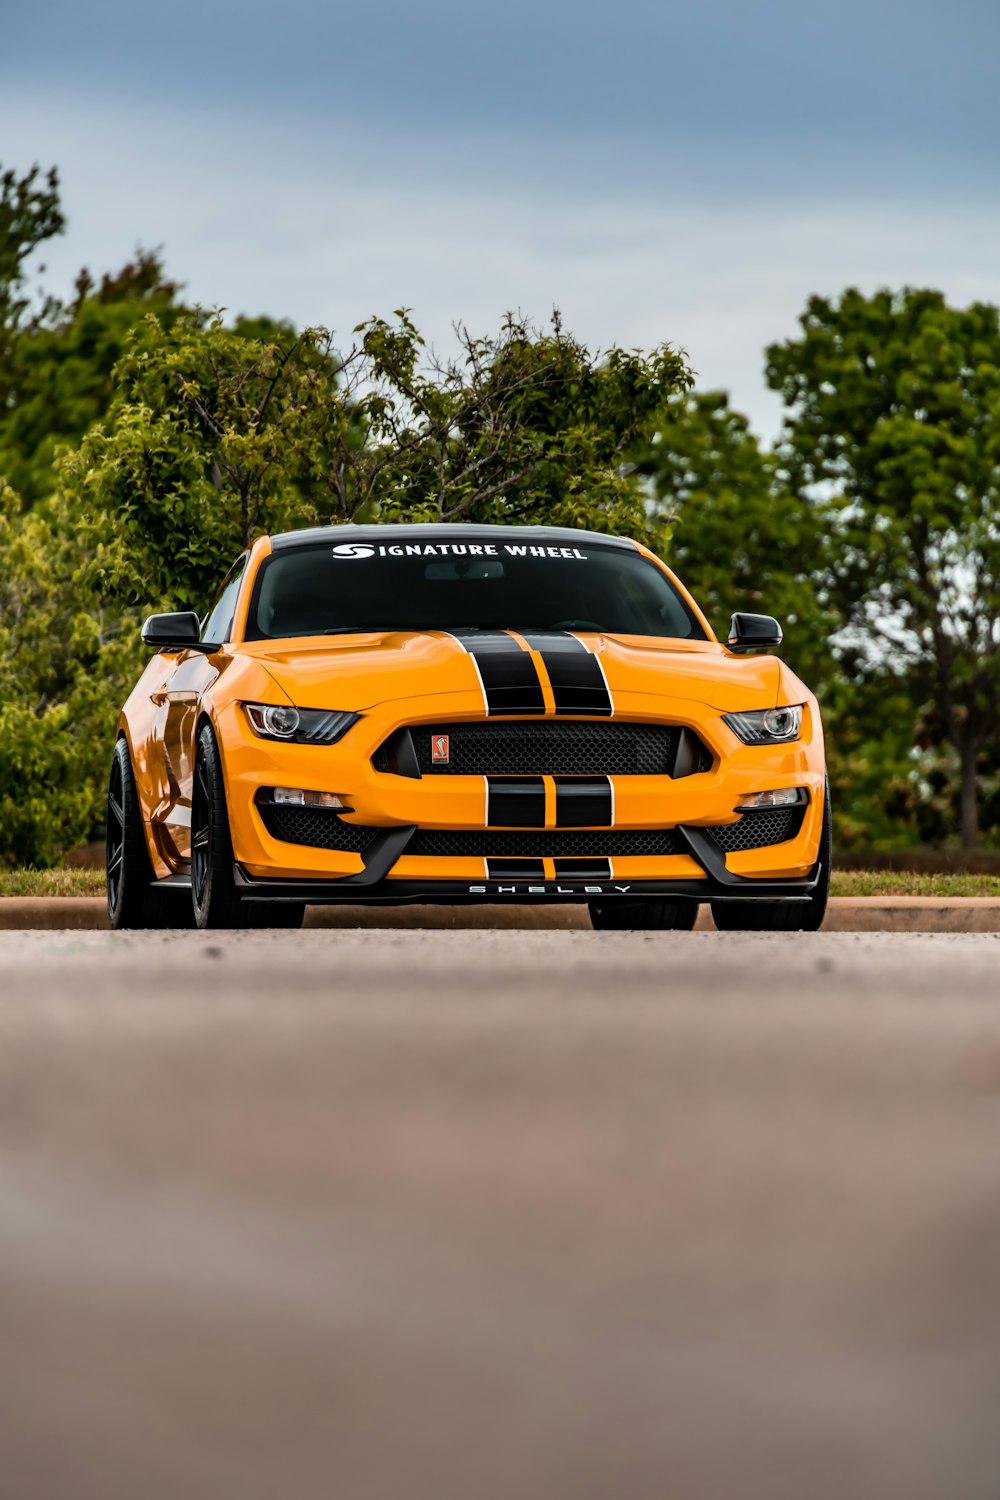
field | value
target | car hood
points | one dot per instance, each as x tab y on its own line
360	671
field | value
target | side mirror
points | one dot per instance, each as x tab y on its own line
175	632
753	633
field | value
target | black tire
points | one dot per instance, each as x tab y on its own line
643	916
133	900
784	916
214	896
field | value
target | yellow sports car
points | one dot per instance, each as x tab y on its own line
460	714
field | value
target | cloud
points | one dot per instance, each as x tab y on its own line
828	73
257	217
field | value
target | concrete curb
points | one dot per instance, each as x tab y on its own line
845	914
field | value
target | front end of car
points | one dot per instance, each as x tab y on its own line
432	799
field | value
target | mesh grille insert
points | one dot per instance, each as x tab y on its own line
755	832
321	829
316	827
557	843
553	747
759	830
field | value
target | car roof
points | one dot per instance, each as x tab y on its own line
445	531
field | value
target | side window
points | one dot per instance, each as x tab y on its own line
217	625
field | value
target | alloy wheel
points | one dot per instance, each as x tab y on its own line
115	838
201	832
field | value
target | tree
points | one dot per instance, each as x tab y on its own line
893	405
741	537
213	437
29	215
521	425
744	539
60	368
65	666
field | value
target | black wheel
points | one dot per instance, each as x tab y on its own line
784	916
214	896
643	916
133	900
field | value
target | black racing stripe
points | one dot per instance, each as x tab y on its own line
583	802
515	869
578	684
583	869
515	802
509	676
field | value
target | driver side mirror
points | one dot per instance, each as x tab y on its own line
753	633
175	632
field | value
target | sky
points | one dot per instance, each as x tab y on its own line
660	172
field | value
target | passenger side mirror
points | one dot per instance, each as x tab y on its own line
753	633
175	632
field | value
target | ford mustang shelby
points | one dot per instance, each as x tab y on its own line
464	713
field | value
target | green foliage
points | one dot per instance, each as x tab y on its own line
894	404
29	215
209	440
519	426
60	371
213	437
879	796
65	668
742	539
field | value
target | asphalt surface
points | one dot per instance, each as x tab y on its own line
843	914
498	1216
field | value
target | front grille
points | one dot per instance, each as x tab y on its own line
317	827
557	843
759	830
554	747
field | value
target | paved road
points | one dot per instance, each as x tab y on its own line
498	1216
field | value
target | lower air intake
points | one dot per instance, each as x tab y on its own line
556	843
316	828
759	830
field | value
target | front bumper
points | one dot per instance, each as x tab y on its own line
715	883
400	807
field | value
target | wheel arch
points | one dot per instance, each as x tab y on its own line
206	718
124	733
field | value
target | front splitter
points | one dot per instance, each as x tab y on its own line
527	892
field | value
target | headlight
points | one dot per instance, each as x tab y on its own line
767	726
299	726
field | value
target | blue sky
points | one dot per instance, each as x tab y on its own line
661	172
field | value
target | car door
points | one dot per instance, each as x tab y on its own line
179	701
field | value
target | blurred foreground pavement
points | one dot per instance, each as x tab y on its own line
499	1215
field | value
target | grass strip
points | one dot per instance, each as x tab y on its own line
903	883
51	882
845	883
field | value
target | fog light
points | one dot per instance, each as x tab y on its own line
291	796
288	794
786	796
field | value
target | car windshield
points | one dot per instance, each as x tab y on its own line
485	585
